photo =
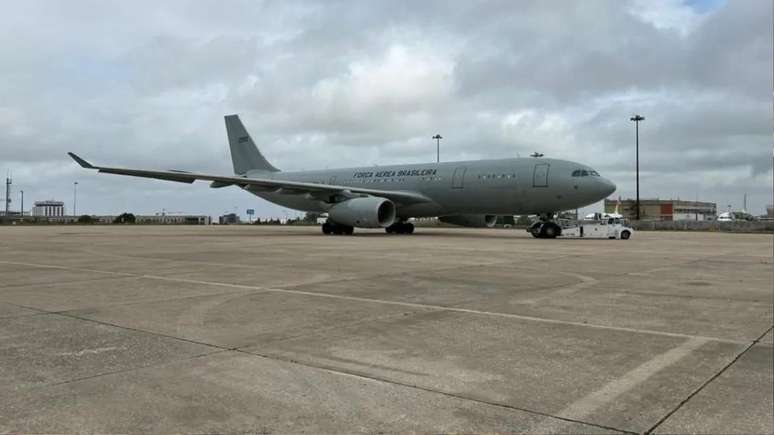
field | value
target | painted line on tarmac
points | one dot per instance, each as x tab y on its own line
584	282
587	405
708	381
396	303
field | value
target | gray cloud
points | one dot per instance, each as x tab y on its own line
332	84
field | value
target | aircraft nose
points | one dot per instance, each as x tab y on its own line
606	187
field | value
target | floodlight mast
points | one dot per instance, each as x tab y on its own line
637	119
437	138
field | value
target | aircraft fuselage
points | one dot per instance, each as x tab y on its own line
502	187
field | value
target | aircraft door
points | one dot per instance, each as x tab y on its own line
458	179
540	175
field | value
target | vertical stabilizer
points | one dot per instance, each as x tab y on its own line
244	153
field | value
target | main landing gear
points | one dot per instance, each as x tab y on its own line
545	228
400	228
329	228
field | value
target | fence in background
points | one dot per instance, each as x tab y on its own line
736	226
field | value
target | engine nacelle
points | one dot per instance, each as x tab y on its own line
367	212
470	220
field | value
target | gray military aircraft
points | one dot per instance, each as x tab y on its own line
468	193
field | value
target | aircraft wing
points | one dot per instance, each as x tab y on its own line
321	191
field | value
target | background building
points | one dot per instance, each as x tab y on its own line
665	209
138	219
173	219
48	208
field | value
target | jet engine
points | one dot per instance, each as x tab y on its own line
366	212
470	220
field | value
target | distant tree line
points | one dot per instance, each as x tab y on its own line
310	218
125	218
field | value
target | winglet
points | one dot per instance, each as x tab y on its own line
81	162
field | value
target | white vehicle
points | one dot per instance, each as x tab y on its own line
600	216
610	228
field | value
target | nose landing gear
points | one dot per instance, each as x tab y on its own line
545	229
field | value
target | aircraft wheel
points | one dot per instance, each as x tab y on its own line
550	230
535	230
625	235
348	230
400	228
326	229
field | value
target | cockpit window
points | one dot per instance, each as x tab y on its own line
585	173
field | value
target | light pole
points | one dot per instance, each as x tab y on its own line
21	212
8	183
637	119
437	138
75	198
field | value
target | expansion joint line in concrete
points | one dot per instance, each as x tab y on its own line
414	305
218	349
50	284
707	382
131	369
396	303
369	377
345	325
594	401
333	370
127	328
527	265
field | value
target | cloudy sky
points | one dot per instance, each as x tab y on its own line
338	84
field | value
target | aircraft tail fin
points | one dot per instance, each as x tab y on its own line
244	153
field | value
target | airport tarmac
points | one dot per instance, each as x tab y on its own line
284	330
